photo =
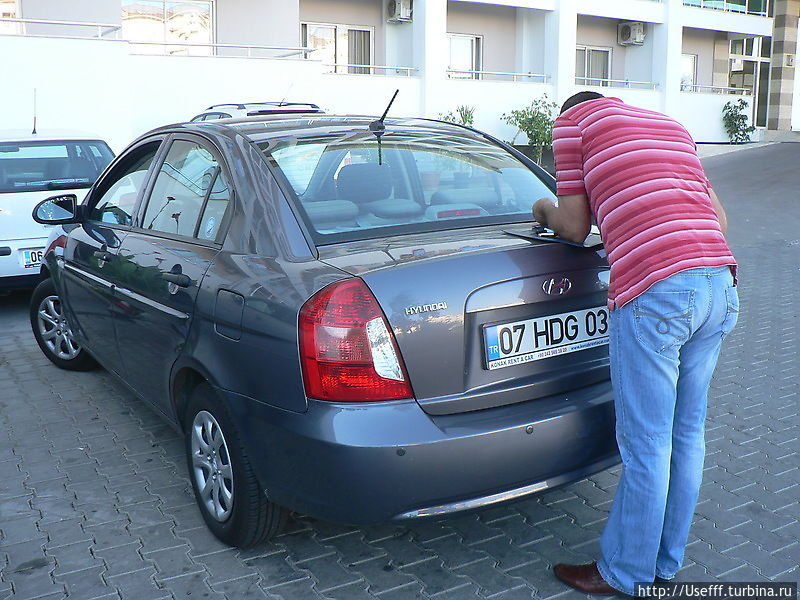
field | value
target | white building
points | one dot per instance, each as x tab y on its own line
120	67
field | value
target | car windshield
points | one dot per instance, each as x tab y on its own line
51	165
351	185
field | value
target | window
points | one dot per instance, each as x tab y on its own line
339	46
348	186
592	65
119	191
688	72
171	22
466	56
189	183
55	165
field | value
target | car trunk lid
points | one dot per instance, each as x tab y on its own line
444	292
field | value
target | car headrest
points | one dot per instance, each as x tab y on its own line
364	182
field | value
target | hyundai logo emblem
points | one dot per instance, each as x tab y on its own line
556	287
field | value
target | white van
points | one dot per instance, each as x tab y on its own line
34	167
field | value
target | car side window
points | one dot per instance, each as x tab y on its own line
216	206
121	188
189	183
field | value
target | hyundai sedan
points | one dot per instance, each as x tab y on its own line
348	317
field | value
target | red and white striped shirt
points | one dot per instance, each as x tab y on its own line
647	191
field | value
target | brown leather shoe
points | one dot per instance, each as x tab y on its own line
585	578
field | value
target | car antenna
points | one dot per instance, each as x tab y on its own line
34	112
378	128
286	94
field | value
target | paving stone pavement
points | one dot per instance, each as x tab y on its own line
95	500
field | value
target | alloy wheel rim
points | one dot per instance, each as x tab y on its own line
211	466
54	329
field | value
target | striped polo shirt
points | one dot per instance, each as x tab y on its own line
647	191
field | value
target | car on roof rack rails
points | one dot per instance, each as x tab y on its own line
251	109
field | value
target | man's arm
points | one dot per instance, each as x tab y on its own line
571	219
721	217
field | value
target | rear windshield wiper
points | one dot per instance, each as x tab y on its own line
67	185
540	233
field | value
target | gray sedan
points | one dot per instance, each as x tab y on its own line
348	317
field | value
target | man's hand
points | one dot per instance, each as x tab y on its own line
540	208
571	218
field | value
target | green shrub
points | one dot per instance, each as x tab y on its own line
536	122
464	115
736	122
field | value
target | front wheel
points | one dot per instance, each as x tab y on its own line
230	499
53	333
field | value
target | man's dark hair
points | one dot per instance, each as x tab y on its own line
578	98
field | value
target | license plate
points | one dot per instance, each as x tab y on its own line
32	257
519	342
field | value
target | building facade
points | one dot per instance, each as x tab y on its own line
120	67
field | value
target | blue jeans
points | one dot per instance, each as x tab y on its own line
664	346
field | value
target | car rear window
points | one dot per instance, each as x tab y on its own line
51	165
350	185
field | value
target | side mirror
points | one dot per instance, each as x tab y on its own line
57	210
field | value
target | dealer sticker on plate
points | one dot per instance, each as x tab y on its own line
520	342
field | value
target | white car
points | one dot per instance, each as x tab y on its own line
250	109
34	167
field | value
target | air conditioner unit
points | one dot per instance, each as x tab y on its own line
737	64
630	33
399	11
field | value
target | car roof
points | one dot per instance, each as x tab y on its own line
45	135
263	127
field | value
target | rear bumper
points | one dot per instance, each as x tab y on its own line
384	461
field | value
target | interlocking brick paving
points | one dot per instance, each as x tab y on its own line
95	500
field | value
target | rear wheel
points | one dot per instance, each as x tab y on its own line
226	489
53	333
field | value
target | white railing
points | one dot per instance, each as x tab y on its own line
213	49
737	6
369	69
715	89
618	83
508	75
101	33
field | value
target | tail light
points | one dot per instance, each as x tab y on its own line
347	352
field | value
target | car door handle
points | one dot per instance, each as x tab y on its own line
103	255
178	279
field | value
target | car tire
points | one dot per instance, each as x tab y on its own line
228	494
53	333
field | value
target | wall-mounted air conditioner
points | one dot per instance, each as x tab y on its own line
630	33
399	11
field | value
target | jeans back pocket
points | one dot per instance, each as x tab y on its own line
663	320
732	310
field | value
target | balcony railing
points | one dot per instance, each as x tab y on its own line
356	69
495	75
221	50
77	29
618	83
715	89
750	7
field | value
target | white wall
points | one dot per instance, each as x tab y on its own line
701	114
135	93
491	100
497	25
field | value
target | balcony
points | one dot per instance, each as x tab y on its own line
749	7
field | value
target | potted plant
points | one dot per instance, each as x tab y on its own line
536	122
